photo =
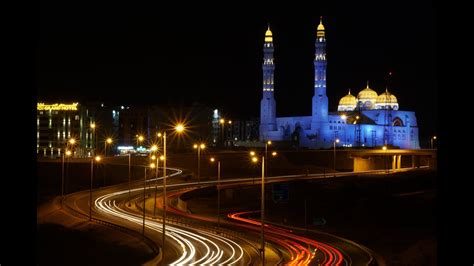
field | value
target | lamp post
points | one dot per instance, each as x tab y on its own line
107	141
156	183
93	138
432	140
269	142
97	158
129	178
66	153
262	209
384	148
222	122
218	191
335	141
152	165
199	147
179	129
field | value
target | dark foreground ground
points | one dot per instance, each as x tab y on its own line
63	239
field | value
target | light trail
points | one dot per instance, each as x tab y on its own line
188	241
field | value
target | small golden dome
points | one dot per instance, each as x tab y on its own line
367	94
347	103
268	35
386	97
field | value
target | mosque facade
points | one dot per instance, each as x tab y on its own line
367	119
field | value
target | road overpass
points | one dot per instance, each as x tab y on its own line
365	160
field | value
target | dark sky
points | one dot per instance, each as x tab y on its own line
134	52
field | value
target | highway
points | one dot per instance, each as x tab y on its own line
194	239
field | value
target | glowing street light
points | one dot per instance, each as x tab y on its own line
335	141
107	141
199	147
252	153
432	140
218	190
97	159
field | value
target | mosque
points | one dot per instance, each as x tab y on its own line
366	120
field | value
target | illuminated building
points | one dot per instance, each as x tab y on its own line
56	123
367	120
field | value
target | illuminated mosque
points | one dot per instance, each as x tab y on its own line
367	119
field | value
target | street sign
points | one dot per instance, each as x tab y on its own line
280	192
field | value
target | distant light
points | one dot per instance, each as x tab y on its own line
254	159
269	142
252	153
162	157
109	140
274	153
153	157
102	105
434	137
154	148
72	141
235	138
195	146
230	121
179	128
202	146
384	148
212	159
343	117
337	140
97	158
159	135
152	165
121	107
222	121
125	147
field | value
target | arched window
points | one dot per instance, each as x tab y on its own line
397	122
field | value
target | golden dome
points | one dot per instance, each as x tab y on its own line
347	103
367	98
386	97
386	100
268	35
367	94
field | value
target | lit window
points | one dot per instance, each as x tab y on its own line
76	117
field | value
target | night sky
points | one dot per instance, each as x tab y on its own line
139	53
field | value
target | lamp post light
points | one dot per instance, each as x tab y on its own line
218	191
96	158
432	140
199	147
179	129
66	153
152	165
107	141
335	141
269	142
262	209
129	177
93	138
156	183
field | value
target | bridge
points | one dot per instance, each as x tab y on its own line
365	160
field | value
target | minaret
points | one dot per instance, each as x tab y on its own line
320	100
268	104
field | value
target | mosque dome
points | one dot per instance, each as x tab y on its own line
347	103
386	100
268	35
367	98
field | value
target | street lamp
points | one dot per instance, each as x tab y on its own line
262	210
199	147
140	138
335	141
152	165
97	158
269	142
107	141
222	122
218	191
66	153
384	148
156	183
93	137
432	139
179	128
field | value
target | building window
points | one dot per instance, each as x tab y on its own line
76	117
